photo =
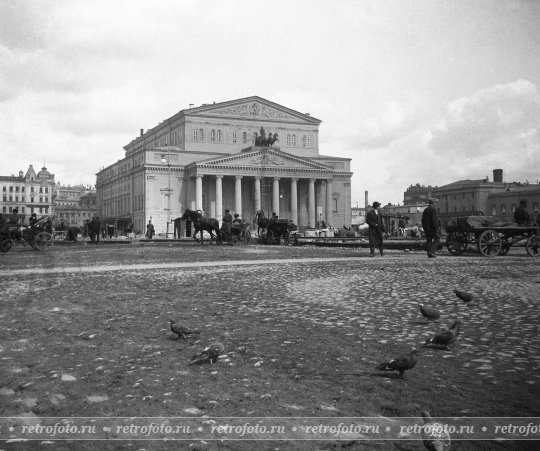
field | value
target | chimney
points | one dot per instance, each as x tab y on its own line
191	105
367	202
142	131
497	175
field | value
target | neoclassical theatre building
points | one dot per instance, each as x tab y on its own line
212	158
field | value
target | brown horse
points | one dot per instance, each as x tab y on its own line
202	224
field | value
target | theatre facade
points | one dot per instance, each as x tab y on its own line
244	155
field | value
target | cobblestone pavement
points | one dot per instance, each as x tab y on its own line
365	307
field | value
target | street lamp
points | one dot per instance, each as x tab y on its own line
166	158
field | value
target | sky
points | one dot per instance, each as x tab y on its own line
413	91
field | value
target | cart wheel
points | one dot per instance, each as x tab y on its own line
457	242
247	235
6	245
533	245
505	248
489	243
42	241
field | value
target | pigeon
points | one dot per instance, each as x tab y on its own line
211	352
401	363
445	337
181	330
464	296
429	313
434	435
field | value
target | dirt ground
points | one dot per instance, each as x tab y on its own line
305	337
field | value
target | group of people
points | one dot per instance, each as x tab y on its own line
431	225
229	222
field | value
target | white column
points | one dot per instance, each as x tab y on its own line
198	193
311	203
294	200
275	196
238	195
329	202
257	193
219	197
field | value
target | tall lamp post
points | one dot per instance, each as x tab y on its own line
166	158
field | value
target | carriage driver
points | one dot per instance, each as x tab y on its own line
227	222
237	219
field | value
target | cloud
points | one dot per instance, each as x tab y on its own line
393	122
493	119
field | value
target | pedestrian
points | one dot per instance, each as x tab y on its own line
150	231
521	215
94	228
376	229
226	225
431	226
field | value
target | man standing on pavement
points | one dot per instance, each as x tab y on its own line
431	226
376	229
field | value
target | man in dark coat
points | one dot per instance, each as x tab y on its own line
431	226
150	230
72	233
94	228
376	229
521	215
226	225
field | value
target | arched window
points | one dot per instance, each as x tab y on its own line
213	136
219	136
201	134
293	141
244	138
254	137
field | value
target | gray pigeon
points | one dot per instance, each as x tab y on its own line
464	296
211	352
445	337
401	363
181	330
429	313
434	436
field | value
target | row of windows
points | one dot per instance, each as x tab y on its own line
6	198
513	207
5	189
217	136
22	210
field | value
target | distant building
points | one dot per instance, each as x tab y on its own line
417	194
410	214
29	193
503	204
208	158
74	205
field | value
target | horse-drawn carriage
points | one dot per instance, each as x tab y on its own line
38	235
240	231
493	237
273	230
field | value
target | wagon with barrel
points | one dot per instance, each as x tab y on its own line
491	236
37	235
273	230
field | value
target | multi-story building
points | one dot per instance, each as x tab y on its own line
504	203
209	158
418	194
28	193
74	205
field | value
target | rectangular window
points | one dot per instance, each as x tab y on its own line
23	209
3	209
335	205
472	195
194	134
41	190
40	210
234	137
16	189
309	141
31	199
22	189
10	189
4	198
4	189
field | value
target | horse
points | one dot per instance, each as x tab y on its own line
262	221
203	224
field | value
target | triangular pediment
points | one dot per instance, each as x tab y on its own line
255	108
261	158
